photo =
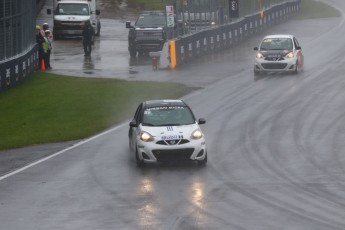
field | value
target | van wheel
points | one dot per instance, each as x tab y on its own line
98	30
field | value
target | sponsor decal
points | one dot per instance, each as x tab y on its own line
170	128
234	11
171	137
8	76
16	72
166	107
24	69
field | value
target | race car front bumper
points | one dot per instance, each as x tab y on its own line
286	65
153	152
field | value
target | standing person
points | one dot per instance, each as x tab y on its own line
45	47
49	40
39	41
88	33
45	26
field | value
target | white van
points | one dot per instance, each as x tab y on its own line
71	15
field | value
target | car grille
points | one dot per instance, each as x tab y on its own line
148	35
274	65
74	24
274	59
172	142
173	154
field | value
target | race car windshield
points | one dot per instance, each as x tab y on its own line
151	21
168	116
276	44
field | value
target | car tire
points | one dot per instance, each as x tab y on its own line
140	163
203	162
98	29
296	69
257	75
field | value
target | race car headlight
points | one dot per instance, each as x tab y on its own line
259	56
145	136
197	134
290	55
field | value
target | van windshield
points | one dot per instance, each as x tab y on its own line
72	9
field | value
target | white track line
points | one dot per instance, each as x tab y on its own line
62	151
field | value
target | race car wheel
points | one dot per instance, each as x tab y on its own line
296	68
203	162
140	163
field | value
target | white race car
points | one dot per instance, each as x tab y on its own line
166	131
278	53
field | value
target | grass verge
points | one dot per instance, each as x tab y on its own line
49	108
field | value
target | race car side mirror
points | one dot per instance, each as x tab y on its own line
256	48
133	124
298	48
201	121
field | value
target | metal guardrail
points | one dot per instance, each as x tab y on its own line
191	46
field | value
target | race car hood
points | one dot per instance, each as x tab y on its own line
170	132
274	53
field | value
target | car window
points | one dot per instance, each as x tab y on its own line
276	44
138	114
168	116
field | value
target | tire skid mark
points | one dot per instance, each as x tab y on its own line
257	149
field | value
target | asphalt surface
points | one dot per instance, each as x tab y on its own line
275	146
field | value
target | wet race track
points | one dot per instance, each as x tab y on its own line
275	146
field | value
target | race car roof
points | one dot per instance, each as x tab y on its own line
164	102
279	36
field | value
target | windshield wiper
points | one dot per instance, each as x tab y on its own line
147	124
170	125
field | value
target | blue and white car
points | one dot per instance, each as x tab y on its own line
278	53
166	131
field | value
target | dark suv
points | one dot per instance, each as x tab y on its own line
147	34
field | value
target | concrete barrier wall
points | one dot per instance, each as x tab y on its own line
16	70
18	48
